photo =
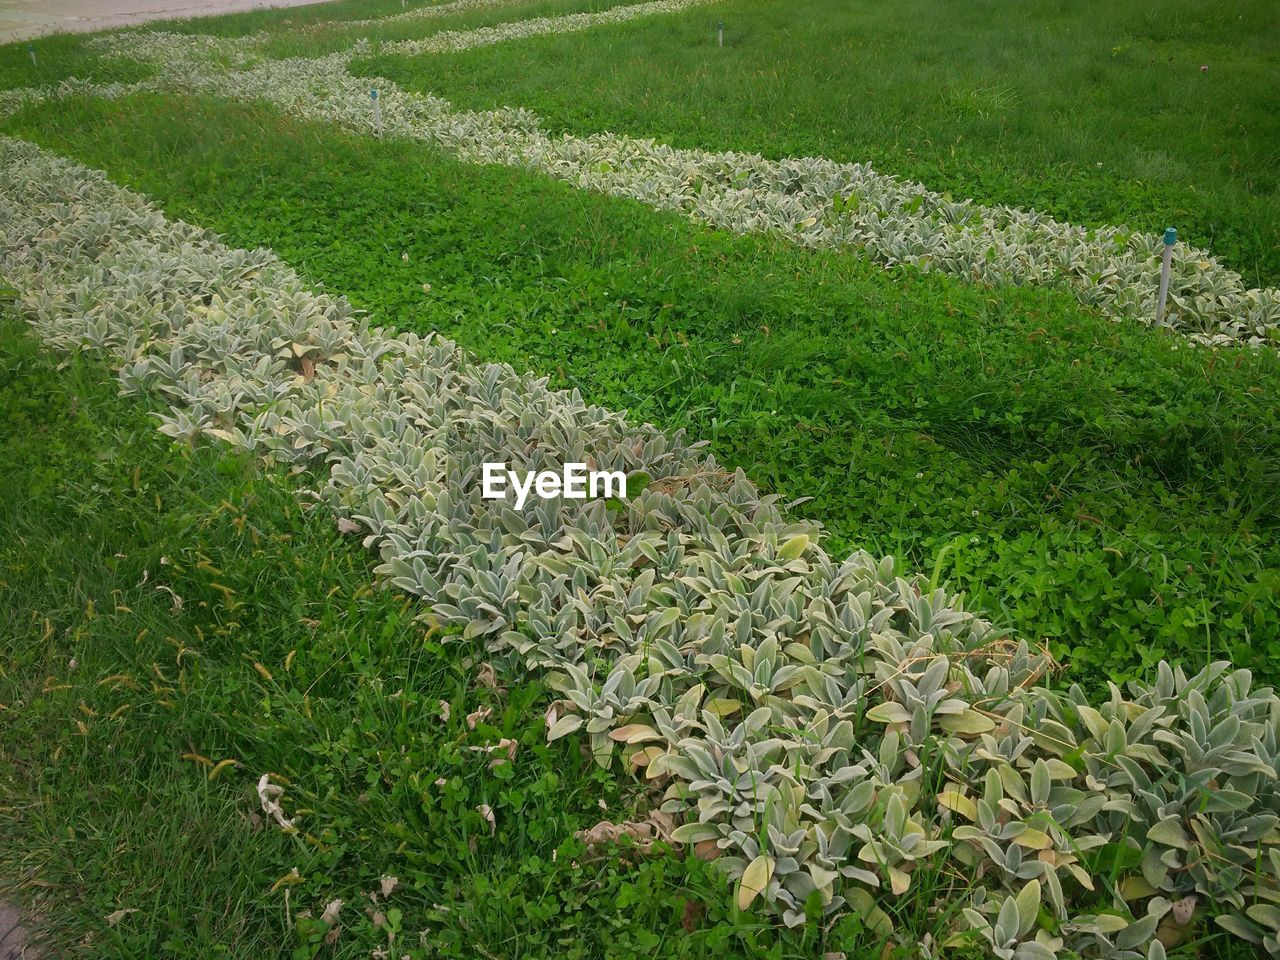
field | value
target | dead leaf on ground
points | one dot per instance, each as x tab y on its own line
486	676
693	913
707	850
656	826
330	915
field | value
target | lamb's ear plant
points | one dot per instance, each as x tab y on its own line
837	735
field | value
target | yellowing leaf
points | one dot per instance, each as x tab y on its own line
899	881
723	707
793	548
754	880
889	712
642	758
967	723
953	798
634	733
1034	839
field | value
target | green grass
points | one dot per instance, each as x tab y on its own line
322	38
312	15
61	57
1104	486
1094	112
308	31
160	604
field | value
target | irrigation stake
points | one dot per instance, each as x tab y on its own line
32	50
377	111
1170	238
720	32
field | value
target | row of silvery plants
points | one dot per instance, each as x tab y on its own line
834	733
429	12
809	200
148	44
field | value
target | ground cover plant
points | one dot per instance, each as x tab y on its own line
671	617
164	610
1112	461
863	757
1096	113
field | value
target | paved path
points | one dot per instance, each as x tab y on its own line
13	937
21	19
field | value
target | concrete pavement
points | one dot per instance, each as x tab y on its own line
22	19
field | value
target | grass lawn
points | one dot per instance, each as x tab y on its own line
177	620
322	37
1094	112
60	57
1103	486
308	31
165	609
